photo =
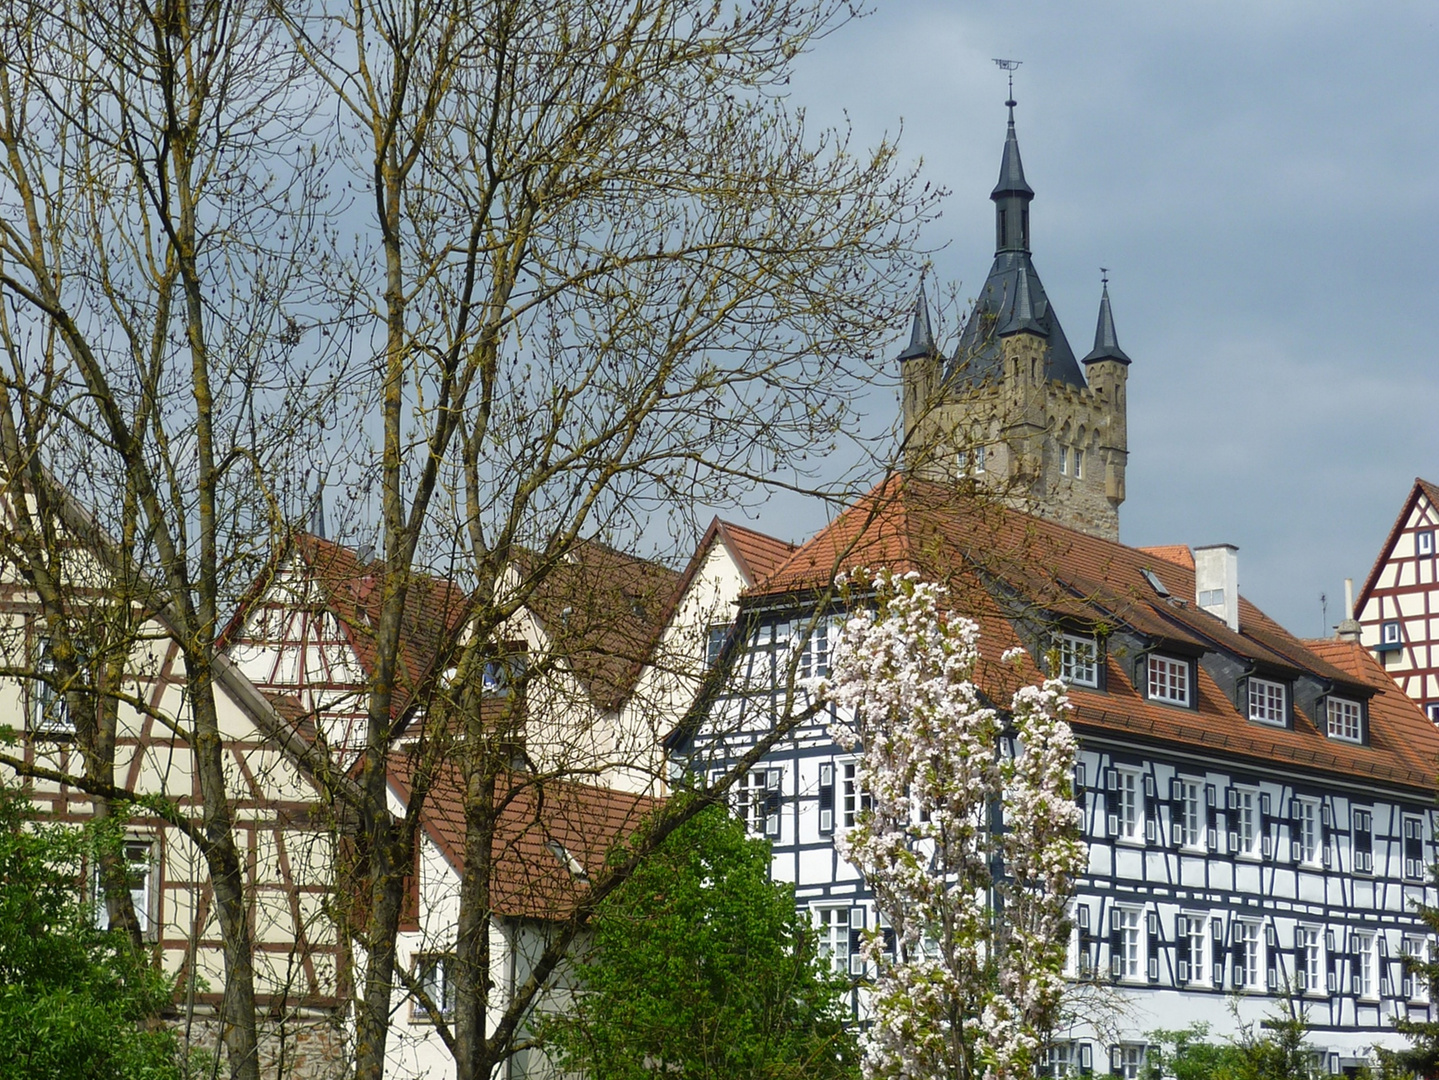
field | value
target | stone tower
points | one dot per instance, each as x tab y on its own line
1012	410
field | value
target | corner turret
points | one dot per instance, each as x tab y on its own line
1107	368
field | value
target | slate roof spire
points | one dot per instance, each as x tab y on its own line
921	337
1022	318
1106	342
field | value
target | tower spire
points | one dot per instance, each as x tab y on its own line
1023	317
1011	195
1106	341
921	338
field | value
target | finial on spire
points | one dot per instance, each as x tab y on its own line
1104	277
1009	67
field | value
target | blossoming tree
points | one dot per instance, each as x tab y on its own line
971	842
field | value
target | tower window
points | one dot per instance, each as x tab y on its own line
1002	216
1078	463
1064	461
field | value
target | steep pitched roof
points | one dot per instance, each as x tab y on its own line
602	610
1175	553
1002	566
977	357
1421	487
542	827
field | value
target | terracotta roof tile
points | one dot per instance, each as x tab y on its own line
759	554
1000	564
541	826
1175	553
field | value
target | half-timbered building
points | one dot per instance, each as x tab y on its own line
1257	808
1398	608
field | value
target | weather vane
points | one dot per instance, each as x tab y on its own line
1104	275
1009	66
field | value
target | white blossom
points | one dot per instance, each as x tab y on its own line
975	975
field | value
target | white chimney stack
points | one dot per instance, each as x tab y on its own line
1216	582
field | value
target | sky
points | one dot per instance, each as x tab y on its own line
1262	181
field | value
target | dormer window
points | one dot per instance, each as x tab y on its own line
1169	680
1078	660
1346	719
1266	702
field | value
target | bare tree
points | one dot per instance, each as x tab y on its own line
598	272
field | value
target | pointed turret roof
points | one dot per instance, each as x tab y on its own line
1106	342
921	338
1011	169
1022	317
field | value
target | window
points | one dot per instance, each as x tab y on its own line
835	938
1414	848
1363	840
1127	1060
1126	945
1308	962
979	459
814	654
1065	1059
1306	839
1266	702
715	635
757	801
1188	814
1127	817
1244	828
500	673
1248	956
140	870
1391	636
852	797
1432	709
1078	660
1345	720
1416	987
1361	950
1078	463
1424	542
49	709
1191	934
1169	680
1064	461
432	973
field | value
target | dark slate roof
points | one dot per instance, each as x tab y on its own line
1011	169
976	359
921	337
1106	342
1022	318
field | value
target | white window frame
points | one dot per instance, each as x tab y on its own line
1364	981
1391	632
1129	804
1169	679
1079	660
49	712
1248	824
1132	929
850	795
1268	702
1127	1060
1418	989
832	930
751	795
715	635
1345	719
1064	461
814	653
1249	956
1192	818
1078	463
1196	933
1424	541
1062	1059
142	871
431	968
1310	838
1309	940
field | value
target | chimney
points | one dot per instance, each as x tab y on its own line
1348	630
1216	581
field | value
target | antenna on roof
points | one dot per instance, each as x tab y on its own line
1009	66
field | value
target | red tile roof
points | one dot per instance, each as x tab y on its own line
759	555
1001	566
1175	553
541	825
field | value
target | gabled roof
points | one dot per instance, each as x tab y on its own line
348	587
542	826
1421	487
1001	565
602	610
